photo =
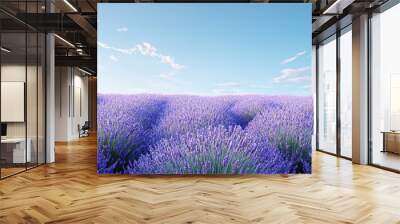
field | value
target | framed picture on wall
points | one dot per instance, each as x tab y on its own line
204	89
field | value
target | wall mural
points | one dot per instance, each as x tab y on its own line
204	89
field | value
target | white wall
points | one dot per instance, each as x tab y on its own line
80	84
34	125
12	73
70	83
17	73
62	82
13	101
314	92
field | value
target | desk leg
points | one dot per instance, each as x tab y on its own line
384	143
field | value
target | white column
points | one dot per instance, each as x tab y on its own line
360	90
314	92
50	99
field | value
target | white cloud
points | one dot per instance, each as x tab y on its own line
125	91
167	75
120	50
227	91
223	91
146	49
293	58
149	50
306	87
260	86
124	51
234	86
103	45
122	29
293	75
228	84
112	57
170	61
165	86
299	79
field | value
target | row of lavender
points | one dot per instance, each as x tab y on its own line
158	134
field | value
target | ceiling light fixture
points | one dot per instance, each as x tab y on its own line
337	7
70	5
84	71
5	50
64	40
79	51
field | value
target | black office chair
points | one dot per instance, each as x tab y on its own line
84	130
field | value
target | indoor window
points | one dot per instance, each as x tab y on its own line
327	95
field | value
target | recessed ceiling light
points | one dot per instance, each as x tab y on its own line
338	6
70	5
84	71
65	41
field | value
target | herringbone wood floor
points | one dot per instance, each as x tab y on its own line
70	191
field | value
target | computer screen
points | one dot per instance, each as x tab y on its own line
3	129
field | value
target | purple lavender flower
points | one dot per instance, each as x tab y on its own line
212	150
177	134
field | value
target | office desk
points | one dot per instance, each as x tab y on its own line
391	141
13	150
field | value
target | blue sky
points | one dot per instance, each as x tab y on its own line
204	49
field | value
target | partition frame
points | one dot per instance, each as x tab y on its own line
340	31
44	100
382	8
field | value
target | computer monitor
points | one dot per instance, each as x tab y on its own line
3	129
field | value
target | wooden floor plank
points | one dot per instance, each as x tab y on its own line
71	191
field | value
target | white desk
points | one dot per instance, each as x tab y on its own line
19	154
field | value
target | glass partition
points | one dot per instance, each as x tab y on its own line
385	89
13	108
41	97
22	77
346	92
327	95
31	99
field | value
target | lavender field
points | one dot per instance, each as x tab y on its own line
180	134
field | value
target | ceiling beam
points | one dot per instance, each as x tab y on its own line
338	6
84	24
78	61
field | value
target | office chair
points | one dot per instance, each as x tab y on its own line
84	130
